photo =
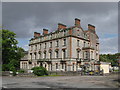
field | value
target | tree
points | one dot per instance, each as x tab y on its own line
11	53
110	58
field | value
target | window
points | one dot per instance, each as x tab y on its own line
84	44
39	55
65	67
51	66
96	47
41	64
56	65
45	65
56	54
64	42
96	55
91	54
73	66
35	55
88	45
31	48
62	66
57	43
64	32
50	55
50	44
50	36
87	54
45	45
44	54
48	67
78	43
31	55
35	47
78	54
24	65
40	46
64	53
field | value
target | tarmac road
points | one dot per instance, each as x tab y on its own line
61	82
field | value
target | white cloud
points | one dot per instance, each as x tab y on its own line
109	45
25	47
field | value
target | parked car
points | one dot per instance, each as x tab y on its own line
101	72
91	72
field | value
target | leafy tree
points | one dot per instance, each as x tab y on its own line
9	46
11	53
110	58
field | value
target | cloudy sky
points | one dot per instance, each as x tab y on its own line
26	18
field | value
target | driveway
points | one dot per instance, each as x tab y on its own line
108	81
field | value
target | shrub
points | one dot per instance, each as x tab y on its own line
14	70
40	71
5	67
21	71
14	73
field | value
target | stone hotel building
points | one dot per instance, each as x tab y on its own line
66	49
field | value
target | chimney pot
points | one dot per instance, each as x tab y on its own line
61	26
45	31
77	22
36	34
91	27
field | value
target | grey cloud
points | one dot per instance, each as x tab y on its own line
49	14
25	18
109	45
0	15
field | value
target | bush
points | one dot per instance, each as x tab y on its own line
14	73
5	67
21	71
14	70
39	71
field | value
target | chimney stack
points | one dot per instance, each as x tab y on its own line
91	27
36	34
61	26
45	31
77	22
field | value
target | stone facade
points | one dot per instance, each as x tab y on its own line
66	49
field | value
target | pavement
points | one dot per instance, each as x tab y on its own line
109	81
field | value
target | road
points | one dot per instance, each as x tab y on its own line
61	82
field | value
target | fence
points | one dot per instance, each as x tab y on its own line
68	73
62	73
